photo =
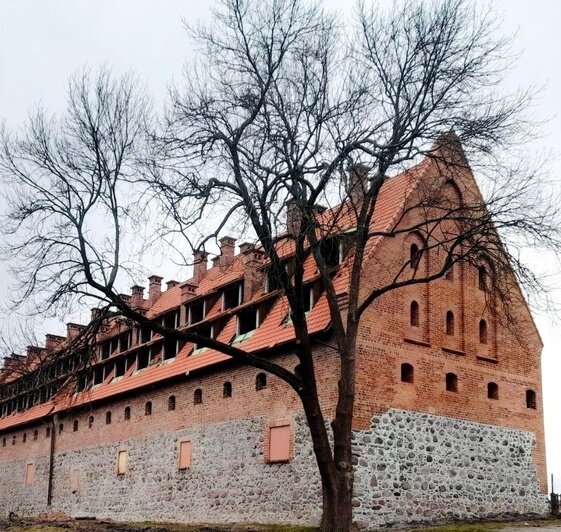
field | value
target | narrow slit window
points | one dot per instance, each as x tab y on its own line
127	413
35	435
261	381
414	314
121	462
148	408
75	426
407	373
450	325
482	332
108	418
171	402
451	382
531	399
198	396
90	422
482	278
29	473
414	256
227	390
61	428
493	390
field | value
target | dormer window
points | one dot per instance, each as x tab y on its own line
145	334
120	366
205	330
308	298
232	296
105	350
331	250
124	342
248	320
170	320
98	375
170	349
196	312
143	359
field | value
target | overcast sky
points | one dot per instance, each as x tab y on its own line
43	42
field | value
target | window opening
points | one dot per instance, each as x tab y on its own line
407	373
171	402
198	396
451	382
108	418
196	312
450	323
227	390
492	390
127	414
414	314
531	399
232	296
482	332
148	408
261	381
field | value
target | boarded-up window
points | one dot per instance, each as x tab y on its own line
75	481
279	444
121	462
29	470
184	458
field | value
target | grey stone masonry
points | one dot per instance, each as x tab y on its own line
414	467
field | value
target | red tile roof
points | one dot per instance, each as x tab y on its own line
273	331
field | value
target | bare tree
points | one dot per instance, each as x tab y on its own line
279	112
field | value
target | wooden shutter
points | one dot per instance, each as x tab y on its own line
279	444
184	459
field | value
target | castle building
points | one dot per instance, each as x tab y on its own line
448	416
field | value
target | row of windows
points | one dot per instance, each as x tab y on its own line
260	384
451	384
450	326
276	450
415	254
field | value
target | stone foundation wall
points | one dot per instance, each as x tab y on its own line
410	467
415	467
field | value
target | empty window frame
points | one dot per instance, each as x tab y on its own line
170	320
108	417
120	367
414	256
205	330
247	320
75	426
450	325
127	413
105	350
492	390
124	341
145	334
531	399
148	408
171	402
198	396
99	375
407	373
184	454
331	251
122	462
482	332
196	312
29	473
451	382
170	349
414	314
232	296
227	390
142	359
279	444
90	422
308	298
261	381
482	278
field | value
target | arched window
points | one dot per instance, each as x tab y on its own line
451	382
260	381
482	277
90	422
108	418
482	332
127	414
60	428
530	399
227	390
414	314
407	373
171	402
414	256
35	435
198	396
75	426
450	323
492	390
148	408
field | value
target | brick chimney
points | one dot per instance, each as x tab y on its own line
137	296
54	342
73	330
33	354
227	246
154	288
253	274
200	259
293	217
171	284
357	183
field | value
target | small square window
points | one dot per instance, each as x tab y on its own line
184	455
279	444
121	462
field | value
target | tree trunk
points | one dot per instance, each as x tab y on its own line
337	513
